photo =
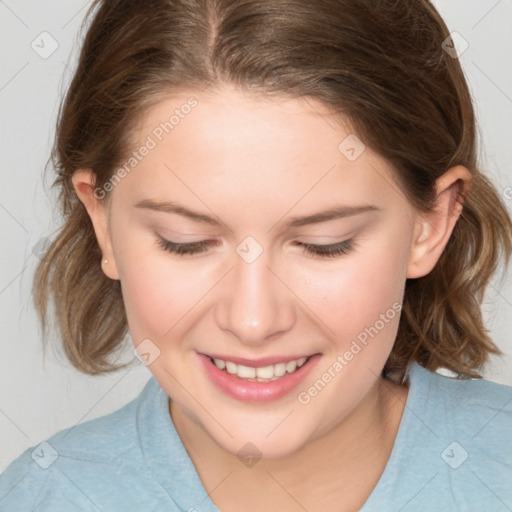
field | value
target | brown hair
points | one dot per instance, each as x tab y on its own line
381	64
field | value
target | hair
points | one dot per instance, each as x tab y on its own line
379	63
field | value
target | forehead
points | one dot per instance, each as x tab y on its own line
216	118
258	147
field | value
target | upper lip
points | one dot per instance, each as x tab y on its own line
257	363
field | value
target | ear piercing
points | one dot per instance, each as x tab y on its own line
105	262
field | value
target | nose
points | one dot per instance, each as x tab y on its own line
255	306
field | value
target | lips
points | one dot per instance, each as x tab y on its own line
249	388
265	373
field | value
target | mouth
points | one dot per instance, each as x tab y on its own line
260	380
267	373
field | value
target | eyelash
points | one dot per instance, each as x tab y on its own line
322	251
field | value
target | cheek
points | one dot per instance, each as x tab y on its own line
352	295
155	293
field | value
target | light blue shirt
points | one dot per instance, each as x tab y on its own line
453	452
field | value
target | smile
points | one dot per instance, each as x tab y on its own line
267	373
259	381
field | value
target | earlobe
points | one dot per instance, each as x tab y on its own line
433	228
83	182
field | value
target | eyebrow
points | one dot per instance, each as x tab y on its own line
337	212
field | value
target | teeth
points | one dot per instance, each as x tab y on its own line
279	369
262	374
291	366
267	372
220	364
231	367
245	372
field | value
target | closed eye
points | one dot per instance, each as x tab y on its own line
328	251
184	249
323	251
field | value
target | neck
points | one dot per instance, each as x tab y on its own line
340	467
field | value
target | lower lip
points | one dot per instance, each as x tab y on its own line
253	391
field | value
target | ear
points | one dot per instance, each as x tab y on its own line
434	227
97	208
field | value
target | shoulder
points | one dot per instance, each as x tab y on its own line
98	448
473	397
453	448
474	409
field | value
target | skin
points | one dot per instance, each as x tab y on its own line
252	164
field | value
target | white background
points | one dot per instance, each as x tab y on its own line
39	397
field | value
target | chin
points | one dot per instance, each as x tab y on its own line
261	444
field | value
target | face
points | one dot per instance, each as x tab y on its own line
234	241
